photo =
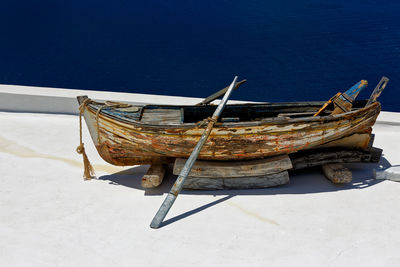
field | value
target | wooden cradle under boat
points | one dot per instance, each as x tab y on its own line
136	135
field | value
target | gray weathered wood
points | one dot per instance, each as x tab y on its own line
296	115
154	176
269	180
178	185
162	116
221	92
316	158
221	169
337	173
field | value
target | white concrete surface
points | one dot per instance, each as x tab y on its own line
49	216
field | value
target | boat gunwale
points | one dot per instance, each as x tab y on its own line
272	120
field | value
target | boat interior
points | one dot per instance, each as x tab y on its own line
165	115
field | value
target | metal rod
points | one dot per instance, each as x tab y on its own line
177	187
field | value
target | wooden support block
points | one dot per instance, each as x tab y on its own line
306	159
224	169
337	173
154	175
270	180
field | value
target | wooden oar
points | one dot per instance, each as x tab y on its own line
177	187
221	92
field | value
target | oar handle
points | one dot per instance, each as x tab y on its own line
177	187
221	92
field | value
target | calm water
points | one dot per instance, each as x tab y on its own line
288	50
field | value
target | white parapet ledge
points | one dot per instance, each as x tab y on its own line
17	98
391	118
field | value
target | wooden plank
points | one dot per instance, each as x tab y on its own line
162	116
269	180
222	169
296	114
337	173
308	159
154	175
221	92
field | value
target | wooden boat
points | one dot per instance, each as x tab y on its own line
135	135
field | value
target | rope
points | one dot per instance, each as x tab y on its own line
88	168
206	120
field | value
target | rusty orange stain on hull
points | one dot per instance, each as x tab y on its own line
131	144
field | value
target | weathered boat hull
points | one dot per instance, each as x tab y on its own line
122	142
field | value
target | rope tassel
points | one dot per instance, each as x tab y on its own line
88	168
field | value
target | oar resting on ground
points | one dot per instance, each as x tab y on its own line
177	187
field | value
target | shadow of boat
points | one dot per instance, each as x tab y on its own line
306	181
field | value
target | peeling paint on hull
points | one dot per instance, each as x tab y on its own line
131	143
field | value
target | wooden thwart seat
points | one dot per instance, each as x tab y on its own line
162	116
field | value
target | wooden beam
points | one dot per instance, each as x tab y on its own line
337	173
154	175
255	182
229	169
306	159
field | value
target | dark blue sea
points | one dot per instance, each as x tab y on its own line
288	50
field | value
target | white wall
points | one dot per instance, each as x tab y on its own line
16	98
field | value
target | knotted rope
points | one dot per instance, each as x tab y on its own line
88	168
205	121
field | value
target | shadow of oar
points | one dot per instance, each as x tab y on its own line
194	211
